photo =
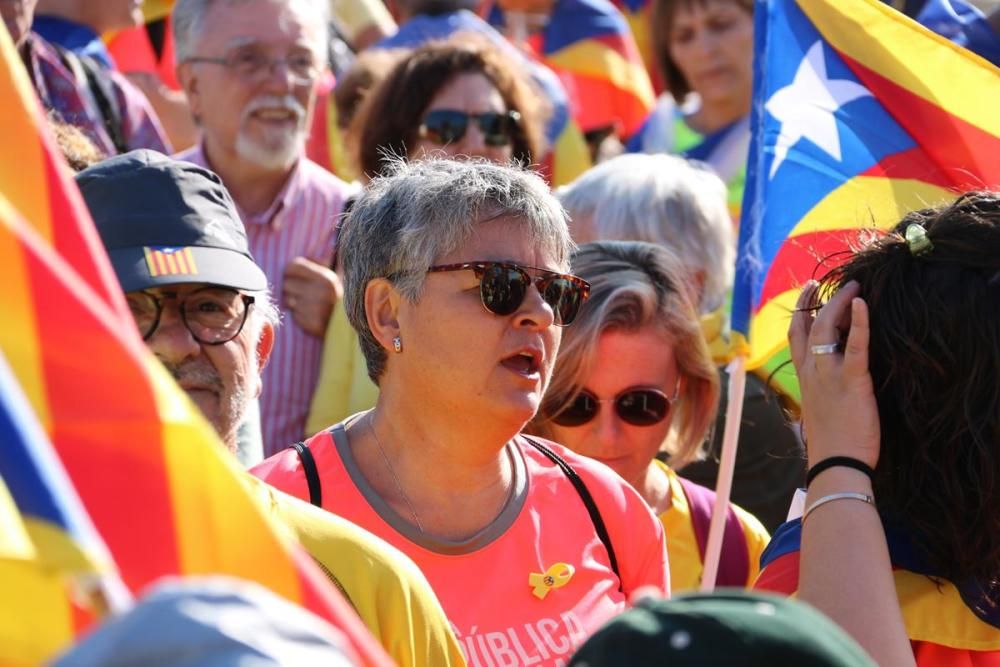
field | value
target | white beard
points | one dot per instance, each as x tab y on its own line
275	149
277	152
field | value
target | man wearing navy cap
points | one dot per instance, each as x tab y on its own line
201	303
180	252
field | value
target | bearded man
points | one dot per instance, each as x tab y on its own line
248	68
201	304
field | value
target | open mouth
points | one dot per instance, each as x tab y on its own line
276	115
526	363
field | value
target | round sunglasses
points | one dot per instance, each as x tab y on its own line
638	407
503	286
444	126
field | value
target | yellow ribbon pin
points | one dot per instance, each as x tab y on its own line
556	576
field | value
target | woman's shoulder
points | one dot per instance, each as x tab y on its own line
285	470
753	529
603	483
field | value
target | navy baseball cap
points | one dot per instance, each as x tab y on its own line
165	222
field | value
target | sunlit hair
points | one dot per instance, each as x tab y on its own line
388	121
637	286
79	151
662	21
420	211
935	359
662	199
188	19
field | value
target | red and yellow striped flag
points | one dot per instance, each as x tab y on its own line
157	484
170	262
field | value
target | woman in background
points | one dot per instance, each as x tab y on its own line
634	383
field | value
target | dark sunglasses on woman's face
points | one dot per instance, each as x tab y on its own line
638	407
503	286
444	126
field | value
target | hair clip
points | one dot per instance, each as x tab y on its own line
916	238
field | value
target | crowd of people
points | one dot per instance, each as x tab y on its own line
456	298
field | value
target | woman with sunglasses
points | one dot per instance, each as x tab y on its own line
634	380
455	279
459	97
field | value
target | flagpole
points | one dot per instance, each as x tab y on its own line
727	464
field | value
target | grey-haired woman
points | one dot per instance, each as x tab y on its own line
456	282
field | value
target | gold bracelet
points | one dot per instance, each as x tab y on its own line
865	498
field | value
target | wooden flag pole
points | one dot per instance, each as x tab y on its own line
727	463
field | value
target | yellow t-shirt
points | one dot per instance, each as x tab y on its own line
384	586
682	544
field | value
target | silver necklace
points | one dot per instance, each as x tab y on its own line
385	459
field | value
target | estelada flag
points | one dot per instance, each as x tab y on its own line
590	46
152	475
55	571
859	116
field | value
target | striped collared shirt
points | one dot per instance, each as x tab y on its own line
301	222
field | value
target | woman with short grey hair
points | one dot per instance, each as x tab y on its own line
455	279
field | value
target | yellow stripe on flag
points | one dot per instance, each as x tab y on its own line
40	624
23	177
769	328
865	202
15	543
603	62
151	265
192	268
21	342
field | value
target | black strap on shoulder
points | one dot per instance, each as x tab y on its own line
588	501
312	475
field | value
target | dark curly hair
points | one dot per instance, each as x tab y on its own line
387	123
935	361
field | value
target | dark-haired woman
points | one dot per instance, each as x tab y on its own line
923	420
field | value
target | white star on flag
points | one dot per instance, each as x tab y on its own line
805	107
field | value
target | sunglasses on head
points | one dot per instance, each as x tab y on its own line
638	407
444	126
503	286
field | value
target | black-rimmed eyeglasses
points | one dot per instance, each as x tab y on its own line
213	315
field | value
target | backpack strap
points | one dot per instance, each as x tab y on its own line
312	475
734	565
588	501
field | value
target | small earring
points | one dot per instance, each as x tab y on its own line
397	344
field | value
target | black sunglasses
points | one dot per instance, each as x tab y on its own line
444	126
638	407
503	286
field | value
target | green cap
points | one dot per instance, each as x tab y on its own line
730	628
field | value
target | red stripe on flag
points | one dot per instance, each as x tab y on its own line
965	154
780	576
910	164
98	431
803	257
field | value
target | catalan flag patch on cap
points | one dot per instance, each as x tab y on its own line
170	262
